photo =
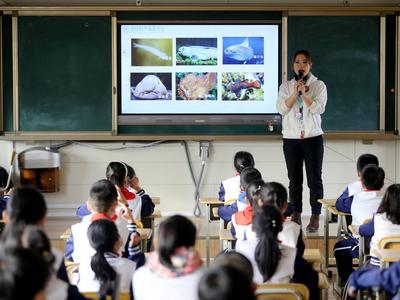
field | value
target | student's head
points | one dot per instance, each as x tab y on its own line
366	159
224	283
372	177
27	206
390	204
243	160
267	223
23	275
117	173
131	172
252	188
302	61
35	239
104	237
235	260
173	233
249	175
103	197
271	193
4	179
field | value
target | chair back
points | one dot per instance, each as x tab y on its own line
289	291
389	242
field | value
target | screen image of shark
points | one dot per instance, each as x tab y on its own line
151	86
151	52
196	51
243	50
196	86
242	86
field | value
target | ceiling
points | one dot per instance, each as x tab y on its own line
194	2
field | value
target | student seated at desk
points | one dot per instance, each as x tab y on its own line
107	272
103	204
230	188
387	279
343	203
386	221
247	176
172	271
124	178
364	205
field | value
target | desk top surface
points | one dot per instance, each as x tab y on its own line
387	255
327	202
210	200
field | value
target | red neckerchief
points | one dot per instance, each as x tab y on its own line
129	196
96	217
244	217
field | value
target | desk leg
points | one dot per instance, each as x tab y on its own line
208	235
326	238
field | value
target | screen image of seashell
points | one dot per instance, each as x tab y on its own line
197	87
150	88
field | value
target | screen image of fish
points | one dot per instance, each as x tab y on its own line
198	69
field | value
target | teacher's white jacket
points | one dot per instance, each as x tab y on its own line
311	114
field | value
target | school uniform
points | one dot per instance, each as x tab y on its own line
122	266
343	203
229	190
147	285
387	279
242	228
225	212
78	248
284	270
364	205
382	228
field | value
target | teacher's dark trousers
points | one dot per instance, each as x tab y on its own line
311	151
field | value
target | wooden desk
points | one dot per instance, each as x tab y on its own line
148	222
387	256
210	202
327	203
225	235
156	200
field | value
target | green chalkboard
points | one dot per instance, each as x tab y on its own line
345	52
7	73
65	73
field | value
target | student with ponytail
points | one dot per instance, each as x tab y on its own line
107	272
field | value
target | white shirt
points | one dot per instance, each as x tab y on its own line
354	187
364	205
284	270
149	286
232	189
383	228
123	266
311	114
289	234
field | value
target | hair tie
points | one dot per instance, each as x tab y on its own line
126	169
258	188
273	223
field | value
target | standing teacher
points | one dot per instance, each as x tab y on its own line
301	101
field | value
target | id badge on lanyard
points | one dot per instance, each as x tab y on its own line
299	116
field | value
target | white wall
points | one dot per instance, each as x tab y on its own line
163	170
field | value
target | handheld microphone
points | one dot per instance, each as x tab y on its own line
300	77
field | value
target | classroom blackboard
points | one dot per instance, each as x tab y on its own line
345	52
65	73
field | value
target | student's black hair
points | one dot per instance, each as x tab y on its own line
103	235
23	273
242	160
26	207
224	283
366	159
103	195
267	223
174	232
390	204
249	175
4	179
305	53
373	177
252	188
35	239
235	260
271	193
131	172
116	172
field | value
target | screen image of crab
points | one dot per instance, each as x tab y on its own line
151	52
243	50
196	86
151	86
196	51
